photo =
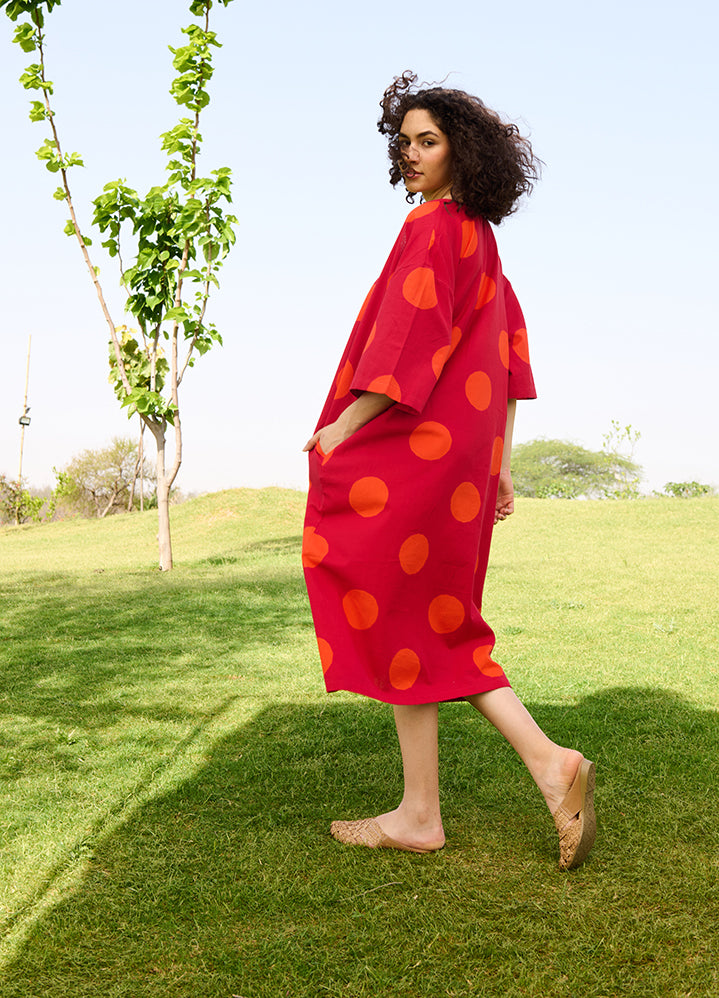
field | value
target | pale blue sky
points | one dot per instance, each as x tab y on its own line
614	257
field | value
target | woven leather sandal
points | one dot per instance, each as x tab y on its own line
575	819
366	832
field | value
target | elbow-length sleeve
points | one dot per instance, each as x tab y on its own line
521	380
409	312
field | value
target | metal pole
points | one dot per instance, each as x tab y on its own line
22	430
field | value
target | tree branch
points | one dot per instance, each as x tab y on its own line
68	198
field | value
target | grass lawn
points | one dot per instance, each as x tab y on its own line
170	764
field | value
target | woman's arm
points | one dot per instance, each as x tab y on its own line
505	495
365	408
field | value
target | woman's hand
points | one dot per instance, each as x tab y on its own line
365	408
328	438
505	496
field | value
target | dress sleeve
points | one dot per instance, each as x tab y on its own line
413	317
521	381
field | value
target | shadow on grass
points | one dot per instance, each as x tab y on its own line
272	545
71	656
230	885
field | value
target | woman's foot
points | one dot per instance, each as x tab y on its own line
575	820
558	775
366	832
568	788
393	830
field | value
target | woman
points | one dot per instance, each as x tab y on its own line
410	469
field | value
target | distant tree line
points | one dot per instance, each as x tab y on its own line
560	469
96	483
117	479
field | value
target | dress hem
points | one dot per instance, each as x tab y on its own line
446	696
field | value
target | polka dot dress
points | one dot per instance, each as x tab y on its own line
400	516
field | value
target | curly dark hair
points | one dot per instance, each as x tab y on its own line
492	164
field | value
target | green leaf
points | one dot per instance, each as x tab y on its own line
26	37
31	78
59	194
38	111
14	8
177	314
69	229
48	152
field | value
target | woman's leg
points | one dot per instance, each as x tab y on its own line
417	821
552	767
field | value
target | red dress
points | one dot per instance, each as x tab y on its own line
400	515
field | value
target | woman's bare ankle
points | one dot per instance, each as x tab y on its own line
413	825
557	777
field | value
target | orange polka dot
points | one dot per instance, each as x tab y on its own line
430	441
487	290
442	355
478	389
325	457
385	384
326	653
368	344
404	669
414	553
504	348
520	345
465	502
446	613
469	239
484	663
368	496
422	209
440	358
314	548
344	380
360	609
419	289
496	461
366	301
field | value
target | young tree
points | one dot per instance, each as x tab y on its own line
619	443
181	233
17	505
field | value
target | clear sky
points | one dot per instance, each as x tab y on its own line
614	258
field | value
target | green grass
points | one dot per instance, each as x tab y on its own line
170	764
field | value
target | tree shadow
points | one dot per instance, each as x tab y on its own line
72	655
276	545
272	546
230	884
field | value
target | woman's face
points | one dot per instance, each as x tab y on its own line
426	155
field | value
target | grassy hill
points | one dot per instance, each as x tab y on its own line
170	764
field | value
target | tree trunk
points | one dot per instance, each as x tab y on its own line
133	483
141	454
163	498
163	531
109	506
